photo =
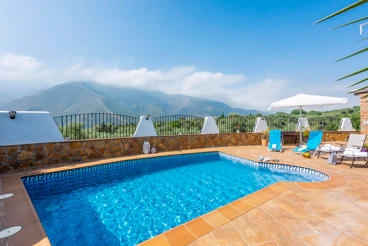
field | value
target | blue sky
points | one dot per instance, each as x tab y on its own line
244	53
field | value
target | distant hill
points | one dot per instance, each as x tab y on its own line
90	97
12	90
6	97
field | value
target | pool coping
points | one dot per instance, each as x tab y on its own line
19	209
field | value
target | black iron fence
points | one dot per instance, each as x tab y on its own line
236	123
239	123
283	123
178	124
324	123
96	125
289	123
106	125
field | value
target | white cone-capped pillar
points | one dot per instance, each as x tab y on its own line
209	126
260	125
345	125
145	127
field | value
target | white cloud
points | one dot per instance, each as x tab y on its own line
14	67
178	80
235	90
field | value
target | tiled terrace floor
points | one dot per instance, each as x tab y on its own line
329	213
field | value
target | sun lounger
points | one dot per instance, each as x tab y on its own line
329	148
314	140
353	148
274	143
354	154
356	141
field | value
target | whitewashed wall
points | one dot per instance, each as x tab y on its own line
28	127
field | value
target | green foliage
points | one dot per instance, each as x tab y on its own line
265	134
352	6
314	112
348	8
77	130
184	126
297	112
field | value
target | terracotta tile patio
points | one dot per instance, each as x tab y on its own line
334	212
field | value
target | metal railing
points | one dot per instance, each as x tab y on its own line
283	123
326	123
178	124
107	125
288	123
96	125
235	123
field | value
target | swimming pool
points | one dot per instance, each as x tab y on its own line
128	202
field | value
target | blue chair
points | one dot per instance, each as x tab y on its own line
314	140
275	141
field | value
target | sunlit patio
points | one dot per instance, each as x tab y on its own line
326	213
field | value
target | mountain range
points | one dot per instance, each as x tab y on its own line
91	97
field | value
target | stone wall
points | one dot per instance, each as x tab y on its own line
328	136
42	154
31	155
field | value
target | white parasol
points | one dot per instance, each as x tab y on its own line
307	101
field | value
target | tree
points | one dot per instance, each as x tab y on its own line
350	7
297	112
314	112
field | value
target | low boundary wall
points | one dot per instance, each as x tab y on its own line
42	154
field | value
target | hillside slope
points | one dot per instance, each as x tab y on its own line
89	97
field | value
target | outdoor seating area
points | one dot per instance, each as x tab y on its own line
352	150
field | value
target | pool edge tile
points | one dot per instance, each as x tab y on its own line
159	240
215	218
199	227
242	206
230	212
179	235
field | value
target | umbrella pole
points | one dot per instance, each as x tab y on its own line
300	125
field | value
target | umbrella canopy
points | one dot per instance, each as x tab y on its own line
307	101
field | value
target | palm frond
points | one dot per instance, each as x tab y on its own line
357	83
362	39
364	18
357	90
356	53
354	5
355	73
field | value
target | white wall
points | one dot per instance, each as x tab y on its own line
209	126
28	127
145	128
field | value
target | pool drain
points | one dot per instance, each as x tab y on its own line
6	195
10	231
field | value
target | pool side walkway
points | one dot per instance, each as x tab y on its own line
334	212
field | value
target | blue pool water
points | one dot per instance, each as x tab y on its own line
132	203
